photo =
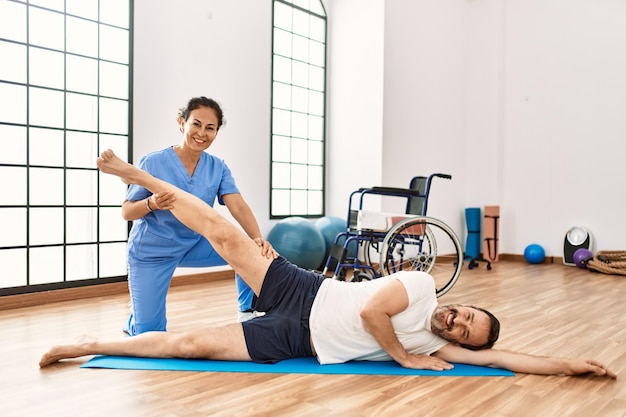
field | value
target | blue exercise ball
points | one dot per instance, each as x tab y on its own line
330	227
534	253
299	241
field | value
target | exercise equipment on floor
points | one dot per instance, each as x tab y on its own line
299	241
611	262
472	243
576	238
534	253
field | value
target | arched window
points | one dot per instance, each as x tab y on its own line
65	88
298	108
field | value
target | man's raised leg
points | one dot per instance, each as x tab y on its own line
241	253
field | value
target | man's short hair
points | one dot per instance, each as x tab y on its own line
494	333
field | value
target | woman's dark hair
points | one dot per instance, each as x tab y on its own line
494	332
197	102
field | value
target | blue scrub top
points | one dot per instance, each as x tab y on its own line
212	179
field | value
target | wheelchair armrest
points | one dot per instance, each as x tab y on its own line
393	191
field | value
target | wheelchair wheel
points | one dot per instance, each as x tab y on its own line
423	244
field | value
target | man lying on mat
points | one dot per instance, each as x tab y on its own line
393	317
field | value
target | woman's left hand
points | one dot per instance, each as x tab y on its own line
266	248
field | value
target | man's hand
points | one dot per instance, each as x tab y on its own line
425	362
588	366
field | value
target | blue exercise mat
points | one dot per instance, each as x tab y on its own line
290	366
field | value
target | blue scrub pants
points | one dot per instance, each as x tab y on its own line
149	280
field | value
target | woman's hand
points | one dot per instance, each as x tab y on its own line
266	248
162	201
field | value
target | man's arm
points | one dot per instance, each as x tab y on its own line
523	363
376	316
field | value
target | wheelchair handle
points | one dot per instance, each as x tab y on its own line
444	176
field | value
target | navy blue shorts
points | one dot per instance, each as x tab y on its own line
286	298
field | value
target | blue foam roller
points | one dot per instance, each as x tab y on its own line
472	244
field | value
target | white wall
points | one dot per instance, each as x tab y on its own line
522	101
219	49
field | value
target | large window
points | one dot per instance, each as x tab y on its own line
64	97
298	108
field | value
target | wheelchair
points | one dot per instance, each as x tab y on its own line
377	244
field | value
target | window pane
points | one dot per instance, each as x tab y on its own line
13	226
45	147
46	265
300	22
113	80
81	187
316	128
113	116
115	12
299	203
13	265
82	74
299	148
299	125
300	99
112	225
113	44
316	103
81	225
49	4
281	95
282	16
46	28
280	202
13	66
113	259
281	122
82	8
282	69
82	112
282	43
300	74
316	153
298	176
45	226
82	37
300	49
13	103
281	149
315	176
13	21
82	261
46	107
118	143
316	202
316	78
281	175
318	29
81	150
45	186
46	68
112	190
14	191
317	53
13	144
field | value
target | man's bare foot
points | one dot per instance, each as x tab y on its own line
56	353
109	163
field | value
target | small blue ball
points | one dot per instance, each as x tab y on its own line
534	254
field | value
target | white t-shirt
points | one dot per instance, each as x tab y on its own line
337	330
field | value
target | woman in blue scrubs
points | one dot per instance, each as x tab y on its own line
158	242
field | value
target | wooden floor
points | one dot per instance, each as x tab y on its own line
544	309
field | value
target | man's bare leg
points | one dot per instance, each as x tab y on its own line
230	242
219	343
